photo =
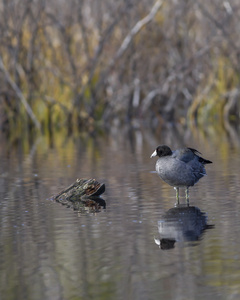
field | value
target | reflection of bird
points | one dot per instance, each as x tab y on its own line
180	168
181	223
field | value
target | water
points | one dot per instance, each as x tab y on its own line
48	251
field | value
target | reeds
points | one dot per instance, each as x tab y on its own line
84	64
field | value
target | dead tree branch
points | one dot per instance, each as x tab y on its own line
129	38
19	94
135	30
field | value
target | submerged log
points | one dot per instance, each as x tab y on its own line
82	193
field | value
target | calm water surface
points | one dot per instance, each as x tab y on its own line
140	246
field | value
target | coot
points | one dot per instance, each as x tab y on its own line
181	168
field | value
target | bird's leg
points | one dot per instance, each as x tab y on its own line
177	194
187	195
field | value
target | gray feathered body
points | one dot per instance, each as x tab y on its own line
181	169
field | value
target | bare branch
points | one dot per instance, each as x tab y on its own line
128	39
19	94
182	69
138	26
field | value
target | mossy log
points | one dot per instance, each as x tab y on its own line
82	193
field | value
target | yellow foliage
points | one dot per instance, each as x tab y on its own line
208	106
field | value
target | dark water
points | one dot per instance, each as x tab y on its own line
48	251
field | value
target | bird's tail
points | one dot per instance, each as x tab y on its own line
204	161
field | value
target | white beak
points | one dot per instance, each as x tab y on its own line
154	154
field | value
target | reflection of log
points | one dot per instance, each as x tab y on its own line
82	193
87	205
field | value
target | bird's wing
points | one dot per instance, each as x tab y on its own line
200	159
194	151
184	155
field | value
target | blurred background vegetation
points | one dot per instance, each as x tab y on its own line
87	64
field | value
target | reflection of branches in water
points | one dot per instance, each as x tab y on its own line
181	224
217	133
